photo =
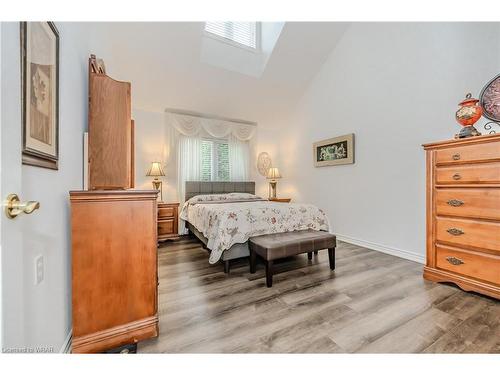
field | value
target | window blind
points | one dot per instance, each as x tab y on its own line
206	160
214	161
239	32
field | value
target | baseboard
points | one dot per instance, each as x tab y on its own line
66	346
382	248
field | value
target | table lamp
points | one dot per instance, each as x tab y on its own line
156	170
273	174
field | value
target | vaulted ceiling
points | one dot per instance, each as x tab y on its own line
162	60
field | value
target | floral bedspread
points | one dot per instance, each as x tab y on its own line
228	223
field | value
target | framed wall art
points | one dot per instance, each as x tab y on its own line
264	163
40	94
334	151
490	99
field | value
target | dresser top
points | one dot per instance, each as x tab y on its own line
129	194
167	204
463	141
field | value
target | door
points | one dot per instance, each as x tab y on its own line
1	190
12	263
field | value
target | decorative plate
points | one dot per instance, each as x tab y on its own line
264	163
490	99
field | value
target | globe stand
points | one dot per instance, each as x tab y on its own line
467	131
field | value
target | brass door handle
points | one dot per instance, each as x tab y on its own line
455	202
455	231
455	261
14	206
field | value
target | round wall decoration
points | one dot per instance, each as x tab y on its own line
264	163
490	99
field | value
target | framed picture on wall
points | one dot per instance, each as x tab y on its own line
40	94
334	151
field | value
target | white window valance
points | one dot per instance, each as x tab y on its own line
192	126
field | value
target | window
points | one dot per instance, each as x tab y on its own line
242	33
214	160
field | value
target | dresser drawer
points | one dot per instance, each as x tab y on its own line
479	234
165	226
469	153
166	212
469	263
469	174
473	202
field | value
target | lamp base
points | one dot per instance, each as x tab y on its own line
272	189
157	185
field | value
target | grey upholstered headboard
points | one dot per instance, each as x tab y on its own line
218	187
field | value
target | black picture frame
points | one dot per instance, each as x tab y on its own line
345	143
30	155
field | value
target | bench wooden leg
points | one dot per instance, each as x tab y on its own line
226	266
309	255
316	252
331	257
253	261
269	273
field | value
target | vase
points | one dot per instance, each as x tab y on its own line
468	113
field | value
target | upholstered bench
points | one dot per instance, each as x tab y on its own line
281	245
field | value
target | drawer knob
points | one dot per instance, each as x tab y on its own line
457	176
456	157
455	261
455	202
455	231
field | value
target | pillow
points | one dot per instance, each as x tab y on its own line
242	196
221	197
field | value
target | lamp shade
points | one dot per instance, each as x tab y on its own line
273	173
155	169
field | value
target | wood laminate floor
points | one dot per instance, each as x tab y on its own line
372	302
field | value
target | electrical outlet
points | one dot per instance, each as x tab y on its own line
39	269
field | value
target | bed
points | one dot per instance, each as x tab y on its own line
224	215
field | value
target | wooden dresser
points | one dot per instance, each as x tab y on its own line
463	213
168	221
114	268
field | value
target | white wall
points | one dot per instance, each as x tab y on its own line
152	144
395	86
266	139
46	312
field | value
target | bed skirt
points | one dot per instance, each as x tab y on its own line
238	250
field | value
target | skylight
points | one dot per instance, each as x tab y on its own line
240	33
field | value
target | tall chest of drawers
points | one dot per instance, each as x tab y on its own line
463	213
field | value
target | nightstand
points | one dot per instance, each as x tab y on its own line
168	221
282	200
